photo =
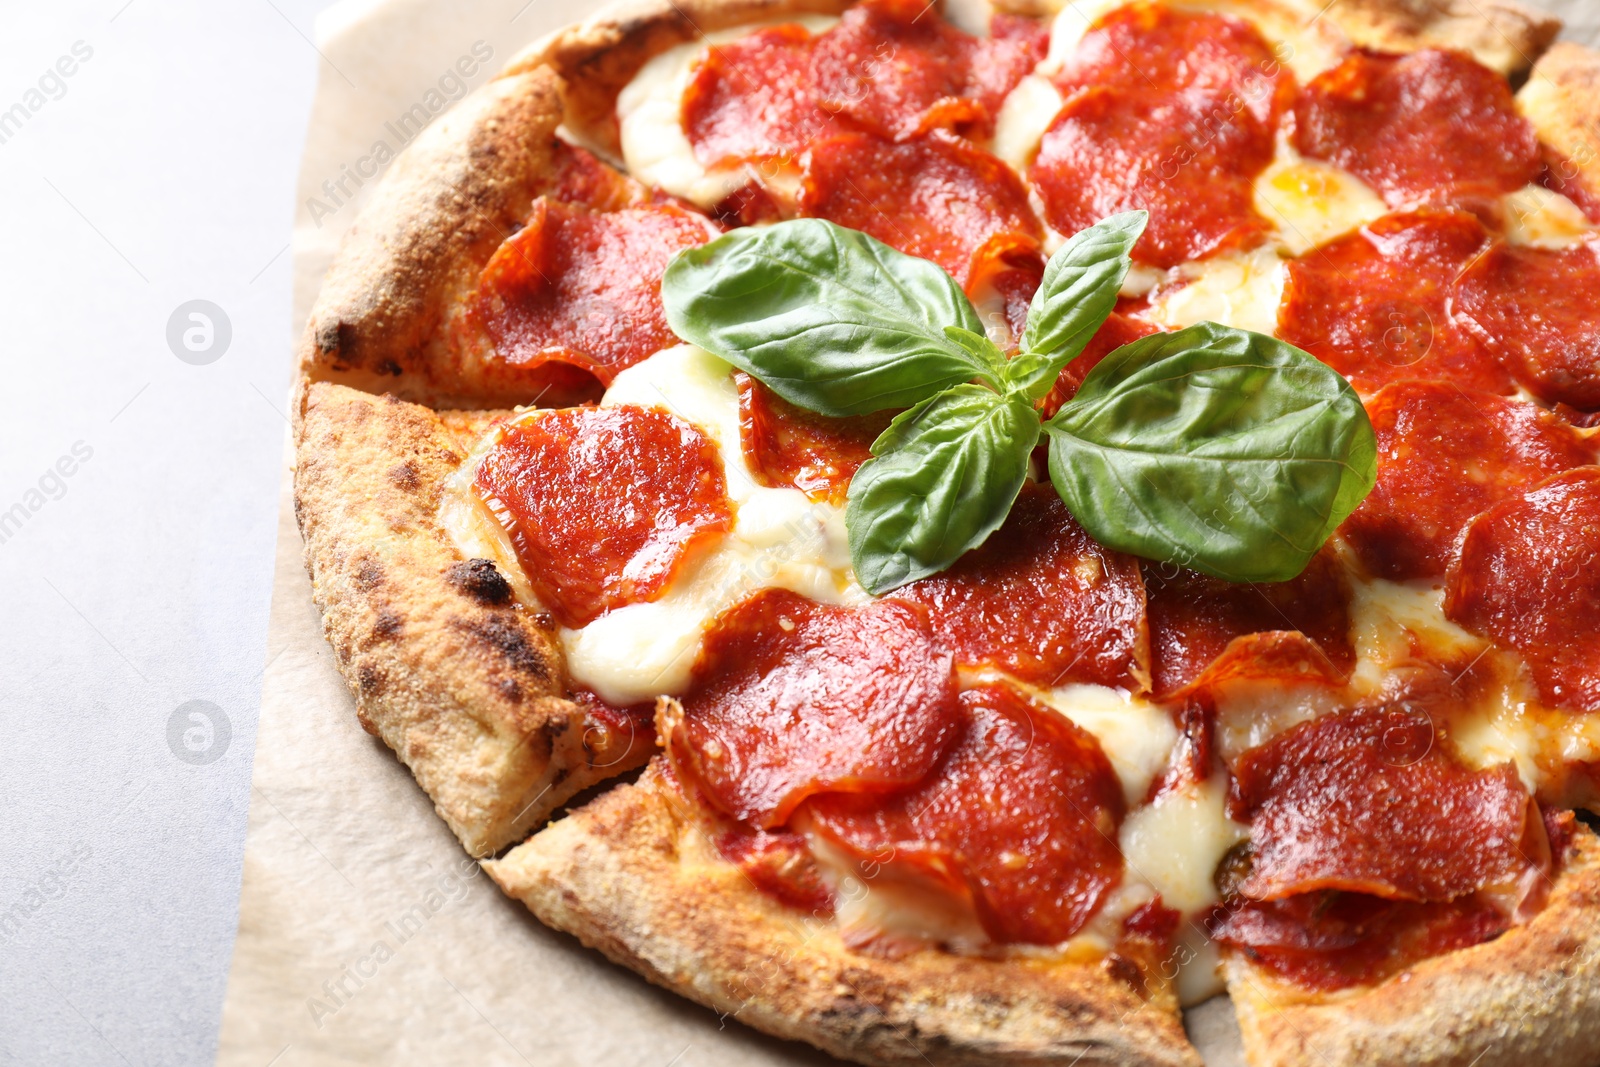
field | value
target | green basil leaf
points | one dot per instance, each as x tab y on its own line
983	350
1078	292
945	474
828	318
1218	449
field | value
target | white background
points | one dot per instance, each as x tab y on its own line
164	173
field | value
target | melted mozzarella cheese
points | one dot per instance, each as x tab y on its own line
1311	202
1027	113
1136	736
781	539
1544	218
1238	289
1068	28
650	120
1176	843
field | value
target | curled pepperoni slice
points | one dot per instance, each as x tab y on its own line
1370	801
1216	62
936	197
1108	152
780	865
894	68
788	446
603	505
754	99
1331	941
1537	312
1430	126
1042	600
577	176
1444	455
792	698
1373	304
579	292
1021	817
1528	578
1193	618
1118	330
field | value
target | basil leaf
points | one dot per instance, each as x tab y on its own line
828	318
983	350
943	478
1219	449
1078	292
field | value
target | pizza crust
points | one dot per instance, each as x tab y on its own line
1562	100
463	684
634	875
1501	34
1531	996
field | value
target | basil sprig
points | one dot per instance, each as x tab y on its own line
1214	448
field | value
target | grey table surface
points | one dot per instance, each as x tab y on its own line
148	152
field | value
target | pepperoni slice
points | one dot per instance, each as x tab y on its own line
1216	62
1368	801
603	505
1373	304
1108	152
1444	455
1043	600
579	177
1171	111
1529	578
894	68
1021	816
754	99
936	197
1332	941
1118	330
1564	176
779	864
792	698
1536	310
1429	126
788	446
579	292
1194	618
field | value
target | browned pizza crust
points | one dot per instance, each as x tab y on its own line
1500	34
458	679
634	875
1562	100
1530	997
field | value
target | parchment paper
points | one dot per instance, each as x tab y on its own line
366	934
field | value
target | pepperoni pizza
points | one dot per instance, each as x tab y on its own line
594	586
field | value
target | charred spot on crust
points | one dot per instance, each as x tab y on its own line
369	574
1127	972
479	579
506	638
404	475
370	680
387	625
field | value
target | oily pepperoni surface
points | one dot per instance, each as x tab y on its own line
1218	63
754	99
1528	578
895	69
1537	310
792	698
788	446
1169	111
1330	941
604	504
1373	305
1444	455
936	197
1194	618
778	863
1369	801
579	177
1022	815
1118	330
1042	600
576	290
1107	153
1427	127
